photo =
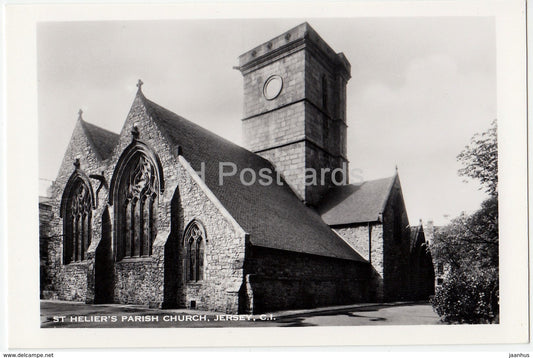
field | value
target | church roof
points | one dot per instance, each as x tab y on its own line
102	140
356	203
272	215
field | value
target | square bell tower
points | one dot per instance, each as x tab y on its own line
295	109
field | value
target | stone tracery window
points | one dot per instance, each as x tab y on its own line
77	217
137	208
194	243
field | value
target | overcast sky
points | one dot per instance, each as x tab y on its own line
420	88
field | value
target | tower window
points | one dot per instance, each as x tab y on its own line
194	242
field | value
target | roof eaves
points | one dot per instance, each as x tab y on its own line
342	224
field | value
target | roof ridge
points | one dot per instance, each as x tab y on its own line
149	104
356	203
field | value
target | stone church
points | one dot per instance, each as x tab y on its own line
157	216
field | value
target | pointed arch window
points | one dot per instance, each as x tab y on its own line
194	242
137	207
76	211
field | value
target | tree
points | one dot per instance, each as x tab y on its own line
470	241
480	159
469	244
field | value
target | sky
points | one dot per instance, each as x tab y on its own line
420	89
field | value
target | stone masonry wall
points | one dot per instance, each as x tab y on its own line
145	280
357	237
334	110
324	166
68	282
275	128
141	280
298	113
224	251
325	132
290	68
290	160
288	280
45	216
157	280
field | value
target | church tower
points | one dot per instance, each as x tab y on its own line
295	109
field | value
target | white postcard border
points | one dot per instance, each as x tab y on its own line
22	185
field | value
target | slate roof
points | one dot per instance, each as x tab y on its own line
356	203
272	215
102	140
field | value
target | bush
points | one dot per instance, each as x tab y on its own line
468	297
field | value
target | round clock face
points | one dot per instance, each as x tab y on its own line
272	87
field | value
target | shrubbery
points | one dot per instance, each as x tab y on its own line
468	297
468	246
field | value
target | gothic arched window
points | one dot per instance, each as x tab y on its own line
136	207
76	210
194	243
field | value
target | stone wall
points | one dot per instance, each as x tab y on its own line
357	236
69	282
142	280
290	162
290	67
333	110
45	216
389	248
157	280
224	251
308	109
287	280
274	129
324	165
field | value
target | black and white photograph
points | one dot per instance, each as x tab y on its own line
286	193
271	172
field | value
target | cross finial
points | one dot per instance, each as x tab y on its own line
77	163
80	112
396	168
135	132
140	84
